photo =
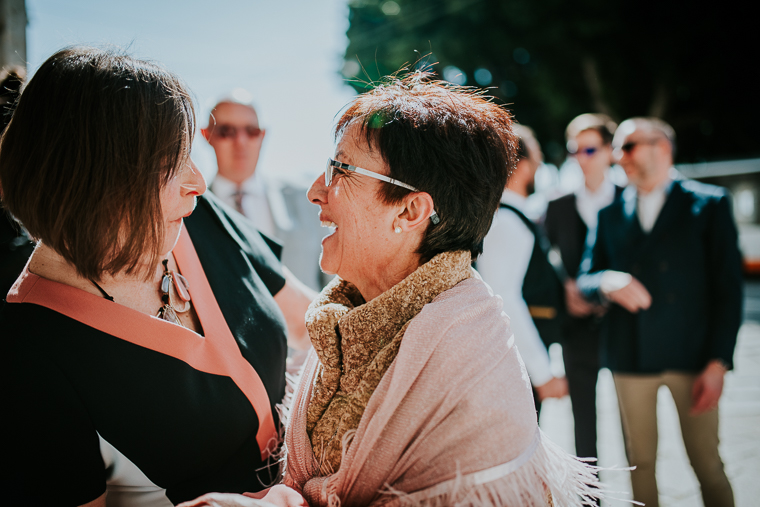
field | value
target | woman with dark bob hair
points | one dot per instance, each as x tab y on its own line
143	350
416	394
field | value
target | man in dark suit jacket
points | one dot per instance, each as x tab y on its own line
666	257
568	220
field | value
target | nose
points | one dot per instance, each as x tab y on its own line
317	193
193	181
241	137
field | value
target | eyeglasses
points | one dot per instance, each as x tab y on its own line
334	164
225	131
630	145
589	152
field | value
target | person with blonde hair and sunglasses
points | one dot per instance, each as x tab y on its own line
568	220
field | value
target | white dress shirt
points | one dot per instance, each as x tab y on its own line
255	202
507	249
649	205
589	203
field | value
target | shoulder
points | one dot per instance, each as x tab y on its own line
567	199
470	306
211	214
704	199
221	235
559	207
510	217
702	191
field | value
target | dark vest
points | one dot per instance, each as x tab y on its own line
542	289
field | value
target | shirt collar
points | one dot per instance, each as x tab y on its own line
253	185
514	199
605	191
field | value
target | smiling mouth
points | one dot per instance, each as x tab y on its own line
327	223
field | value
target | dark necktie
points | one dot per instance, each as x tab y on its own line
238	197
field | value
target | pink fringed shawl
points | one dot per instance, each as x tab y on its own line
451	422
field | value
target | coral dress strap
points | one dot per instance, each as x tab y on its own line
218	353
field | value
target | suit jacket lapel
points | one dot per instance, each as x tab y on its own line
631	227
630	218
580	229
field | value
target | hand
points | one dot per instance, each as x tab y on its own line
633	297
707	388
280	495
555	388
577	306
221	500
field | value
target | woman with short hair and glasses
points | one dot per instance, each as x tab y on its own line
415	393
144	349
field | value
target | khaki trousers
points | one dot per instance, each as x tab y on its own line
637	396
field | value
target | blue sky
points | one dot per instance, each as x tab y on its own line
288	54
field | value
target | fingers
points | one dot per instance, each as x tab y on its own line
285	496
708	387
562	388
577	306
633	297
706	401
555	388
220	500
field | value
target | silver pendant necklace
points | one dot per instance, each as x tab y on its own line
173	280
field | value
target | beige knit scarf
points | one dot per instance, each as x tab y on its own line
357	341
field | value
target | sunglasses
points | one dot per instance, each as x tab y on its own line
630	145
332	165
589	152
225	131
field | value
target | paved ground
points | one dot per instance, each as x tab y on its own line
739	430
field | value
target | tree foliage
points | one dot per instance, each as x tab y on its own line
551	60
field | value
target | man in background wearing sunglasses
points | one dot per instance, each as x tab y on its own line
278	210
234	133
568	220
666	260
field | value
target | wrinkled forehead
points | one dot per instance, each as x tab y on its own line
231	113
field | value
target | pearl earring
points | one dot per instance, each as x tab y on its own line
397	230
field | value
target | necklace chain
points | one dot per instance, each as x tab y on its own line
170	311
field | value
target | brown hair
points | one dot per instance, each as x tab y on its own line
452	142
11	81
95	136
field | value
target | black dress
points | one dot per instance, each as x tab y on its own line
97	394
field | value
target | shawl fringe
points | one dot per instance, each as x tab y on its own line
544	475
